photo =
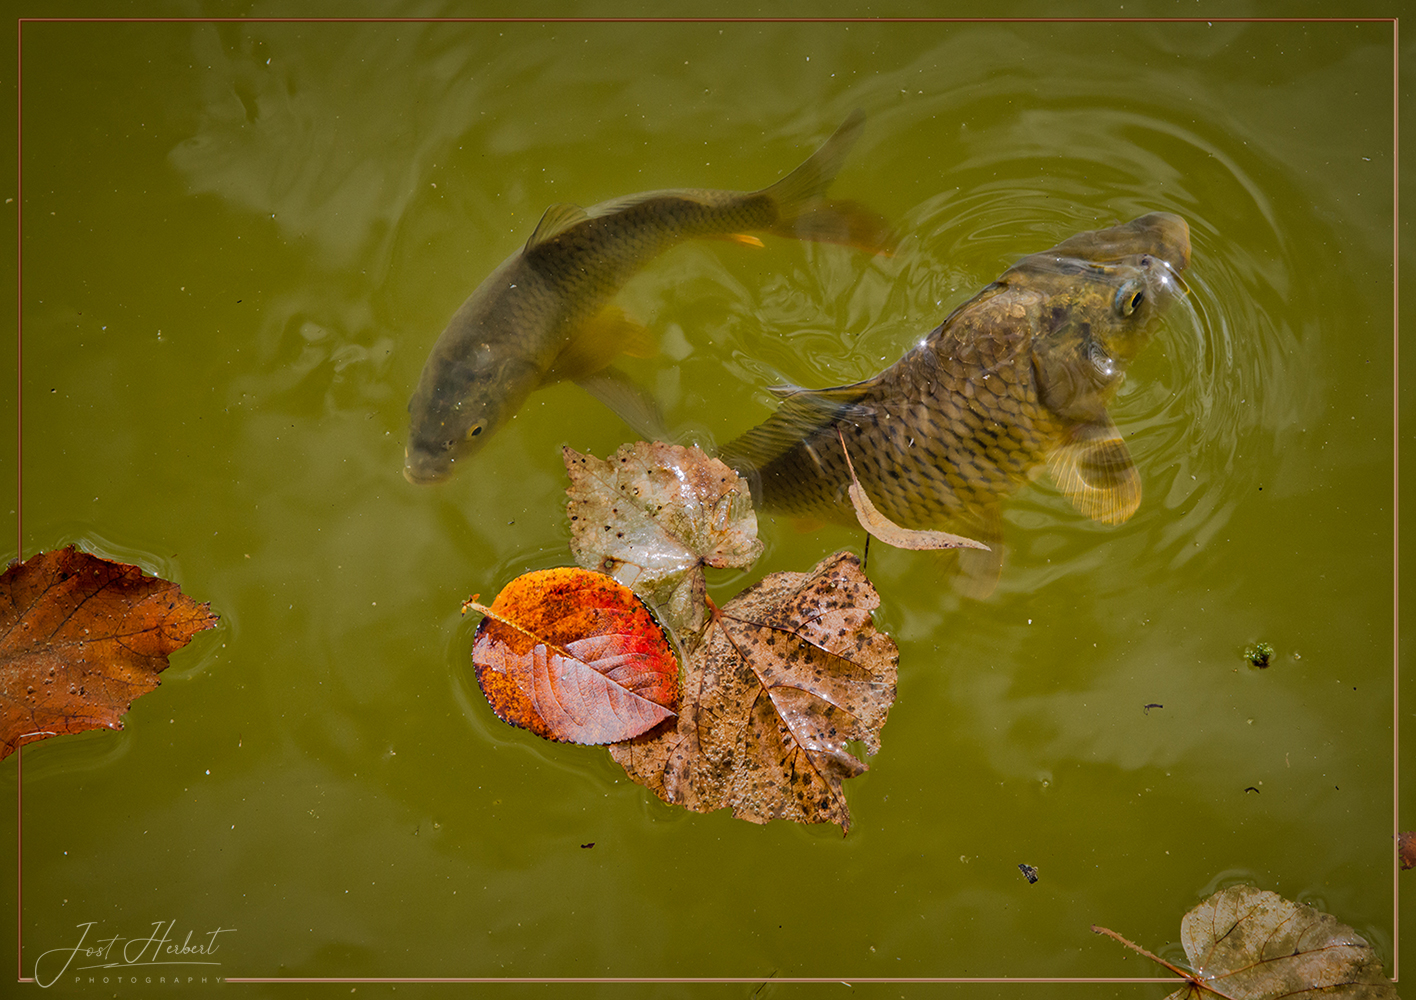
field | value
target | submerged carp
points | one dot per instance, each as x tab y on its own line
1015	377
542	316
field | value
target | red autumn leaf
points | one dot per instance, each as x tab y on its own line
788	673
80	638
574	656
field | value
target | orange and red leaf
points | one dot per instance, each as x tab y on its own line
574	656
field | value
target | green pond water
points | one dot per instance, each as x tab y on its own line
239	243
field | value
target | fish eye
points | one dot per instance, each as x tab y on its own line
474	430
1129	299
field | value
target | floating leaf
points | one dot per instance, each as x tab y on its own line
653	515
1248	944
1406	848
574	656
881	527
80	638
788	673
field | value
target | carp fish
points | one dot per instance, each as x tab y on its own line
1017	377
544	314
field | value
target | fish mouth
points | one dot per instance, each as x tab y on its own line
1169	238
1169	279
421	473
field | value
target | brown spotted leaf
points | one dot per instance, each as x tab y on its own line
574	656
80	638
1245	943
653	515
788	673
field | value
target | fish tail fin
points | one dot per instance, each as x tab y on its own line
848	223
803	211
814	176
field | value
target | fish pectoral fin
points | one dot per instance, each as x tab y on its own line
601	339
1096	473
638	341
627	401
979	570
556	220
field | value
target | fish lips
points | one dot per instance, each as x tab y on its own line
422	469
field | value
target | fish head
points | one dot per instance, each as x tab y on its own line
457	407
1099	295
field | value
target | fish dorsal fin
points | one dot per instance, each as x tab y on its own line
1095	471
556	220
803	413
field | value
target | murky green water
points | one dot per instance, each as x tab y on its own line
240	241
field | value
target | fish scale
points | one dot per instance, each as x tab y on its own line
1013	379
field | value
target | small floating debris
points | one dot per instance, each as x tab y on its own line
1259	654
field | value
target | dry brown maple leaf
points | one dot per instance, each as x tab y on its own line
80	638
788	673
652	515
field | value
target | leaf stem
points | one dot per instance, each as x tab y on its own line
1189	977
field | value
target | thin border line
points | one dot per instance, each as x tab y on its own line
19	464
845	980
1395	498
709	20
1395	23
